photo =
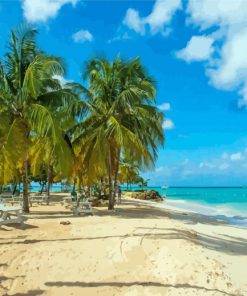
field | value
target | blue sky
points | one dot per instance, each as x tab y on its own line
196	50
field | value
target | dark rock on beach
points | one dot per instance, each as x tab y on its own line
145	195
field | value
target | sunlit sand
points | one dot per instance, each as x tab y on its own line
135	250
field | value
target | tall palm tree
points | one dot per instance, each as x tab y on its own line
122	119
28	93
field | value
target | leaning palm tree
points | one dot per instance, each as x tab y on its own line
123	119
28	93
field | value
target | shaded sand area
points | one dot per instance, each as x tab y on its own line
136	250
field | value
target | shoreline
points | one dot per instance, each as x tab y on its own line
225	214
228	214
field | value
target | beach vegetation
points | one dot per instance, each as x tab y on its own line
101	132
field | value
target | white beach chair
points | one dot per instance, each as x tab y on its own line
39	199
13	199
9	198
84	207
16	200
10	214
6	196
68	202
81	207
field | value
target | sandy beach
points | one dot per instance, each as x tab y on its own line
135	250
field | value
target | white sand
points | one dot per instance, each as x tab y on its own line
137	250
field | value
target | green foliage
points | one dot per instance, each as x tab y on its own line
32	102
122	118
78	132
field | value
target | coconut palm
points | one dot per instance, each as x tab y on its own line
141	182
122	119
29	95
128	172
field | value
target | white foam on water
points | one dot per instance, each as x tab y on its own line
227	213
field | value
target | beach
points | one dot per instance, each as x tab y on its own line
135	250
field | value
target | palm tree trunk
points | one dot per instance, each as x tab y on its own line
25	187
116	177
14	189
111	196
104	187
128	179
49	177
101	186
79	186
42	185
73	190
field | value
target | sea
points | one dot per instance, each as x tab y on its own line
225	203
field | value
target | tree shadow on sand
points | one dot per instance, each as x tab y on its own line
23	226
137	283
227	244
152	212
28	293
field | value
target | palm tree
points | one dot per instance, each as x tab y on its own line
128	172
57	158
141	182
122	119
29	93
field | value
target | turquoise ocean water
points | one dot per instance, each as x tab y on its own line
227	203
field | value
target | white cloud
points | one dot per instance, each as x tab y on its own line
42	10
227	163
165	107
236	156
227	20
163	170
207	13
61	80
124	36
159	169
199	48
206	164
187	173
223	166
224	49
168	124
134	22
161	15
232	69
82	36
225	155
